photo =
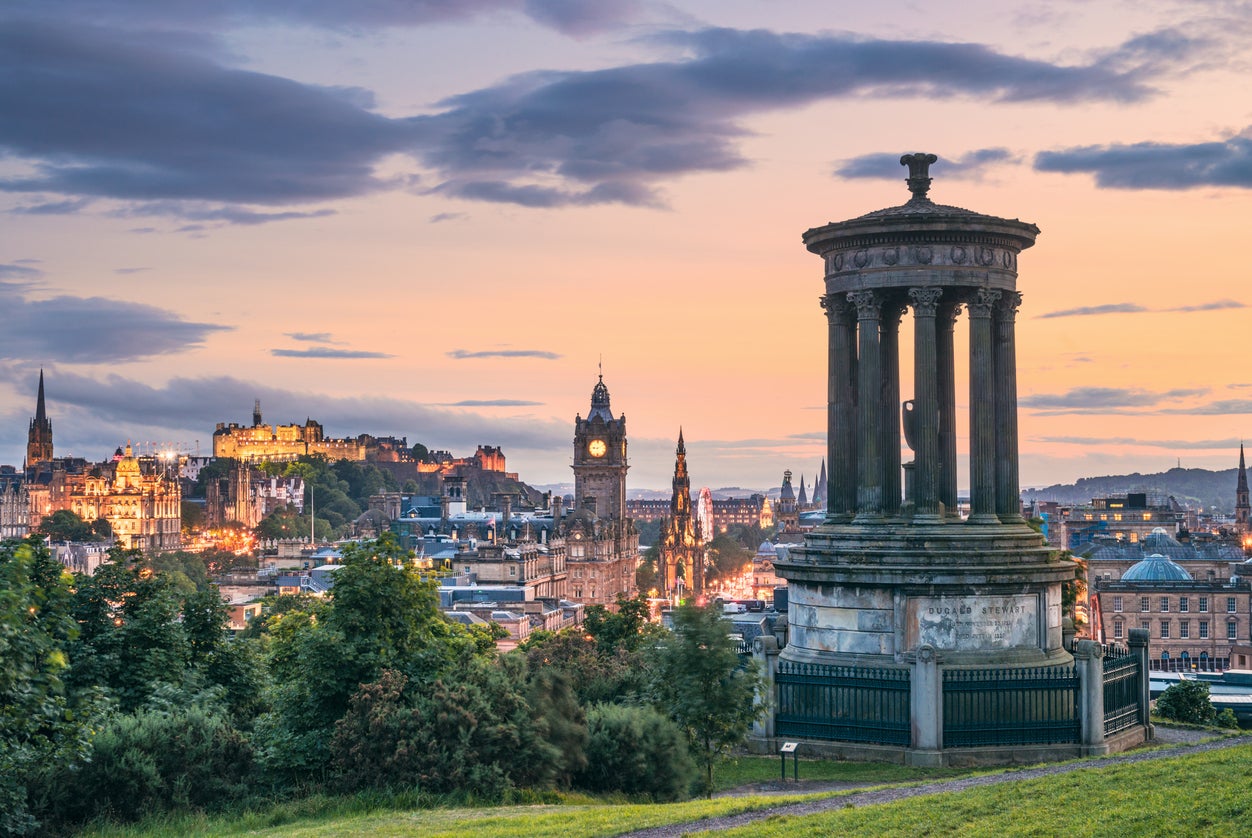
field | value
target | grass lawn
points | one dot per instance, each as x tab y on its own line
743	770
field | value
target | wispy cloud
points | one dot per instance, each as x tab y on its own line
1179	444
441	217
464	354
1226	162
311	337
970	166
92	330
491	403
1103	399
1222	407
1136	308
328	352
129	271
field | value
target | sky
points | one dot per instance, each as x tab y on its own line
440	219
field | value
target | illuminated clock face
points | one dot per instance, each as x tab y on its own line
596	448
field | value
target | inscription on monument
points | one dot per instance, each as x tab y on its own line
972	623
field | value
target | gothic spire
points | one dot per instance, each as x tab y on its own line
41	411
1243	472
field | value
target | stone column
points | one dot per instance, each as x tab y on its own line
1138	644
925	403
889	412
765	654
841	409
946	376
982	409
1008	493
869	383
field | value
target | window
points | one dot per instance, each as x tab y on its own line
1184	630
1232	630
1204	604
512	570
1117	629
1184	604
1165	629
1204	629
1164	604
1145	604
1146	625
1230	605
1117	603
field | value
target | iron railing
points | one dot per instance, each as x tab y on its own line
1122	684
1032	706
843	703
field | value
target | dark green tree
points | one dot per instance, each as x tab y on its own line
623	628
1187	701
66	525
636	750
698	680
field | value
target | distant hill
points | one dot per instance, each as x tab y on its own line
1214	491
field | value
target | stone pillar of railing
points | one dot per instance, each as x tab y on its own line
1089	663
1138	643
765	654
926	707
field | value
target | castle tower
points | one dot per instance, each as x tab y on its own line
1242	508
600	463
680	547
786	514
39	437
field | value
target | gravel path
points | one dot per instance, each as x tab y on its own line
869	798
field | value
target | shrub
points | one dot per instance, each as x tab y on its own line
1187	701
636	750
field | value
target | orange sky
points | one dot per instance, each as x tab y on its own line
188	248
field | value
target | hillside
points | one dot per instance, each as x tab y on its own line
1214	491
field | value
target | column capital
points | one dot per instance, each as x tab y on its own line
1009	304
983	302
925	301
868	304
836	308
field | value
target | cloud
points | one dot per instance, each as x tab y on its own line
1223	407
24	274
1102	399
311	337
328	352
68	207
139	121
1147	165
105	410
970	166
224	214
128	271
92	330
491	403
1178	444
1135	308
571	17
463	354
441	217
1087	311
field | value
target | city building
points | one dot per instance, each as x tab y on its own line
1132	516
262	442
14	504
788	508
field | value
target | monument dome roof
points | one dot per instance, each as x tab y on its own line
1156	568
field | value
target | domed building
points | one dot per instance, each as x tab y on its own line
1193	622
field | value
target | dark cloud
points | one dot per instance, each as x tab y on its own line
462	354
1087	311
311	337
92	415
1102	399
970	166
1180	444
328	352
139	121
571	17
223	214
92	330
22	272
68	207
491	403
1158	165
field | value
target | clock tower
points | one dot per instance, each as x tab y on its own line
600	458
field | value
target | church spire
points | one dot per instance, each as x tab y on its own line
39	437
1243	509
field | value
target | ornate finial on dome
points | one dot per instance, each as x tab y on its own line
919	173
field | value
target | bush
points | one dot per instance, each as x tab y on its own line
154	760
636	750
1187	701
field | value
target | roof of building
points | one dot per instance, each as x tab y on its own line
1156	568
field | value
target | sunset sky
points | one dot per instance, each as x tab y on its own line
434	219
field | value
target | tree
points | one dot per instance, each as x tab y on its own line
727	556
621	628
1187	701
697	679
420	452
66	525
636	750
41	726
